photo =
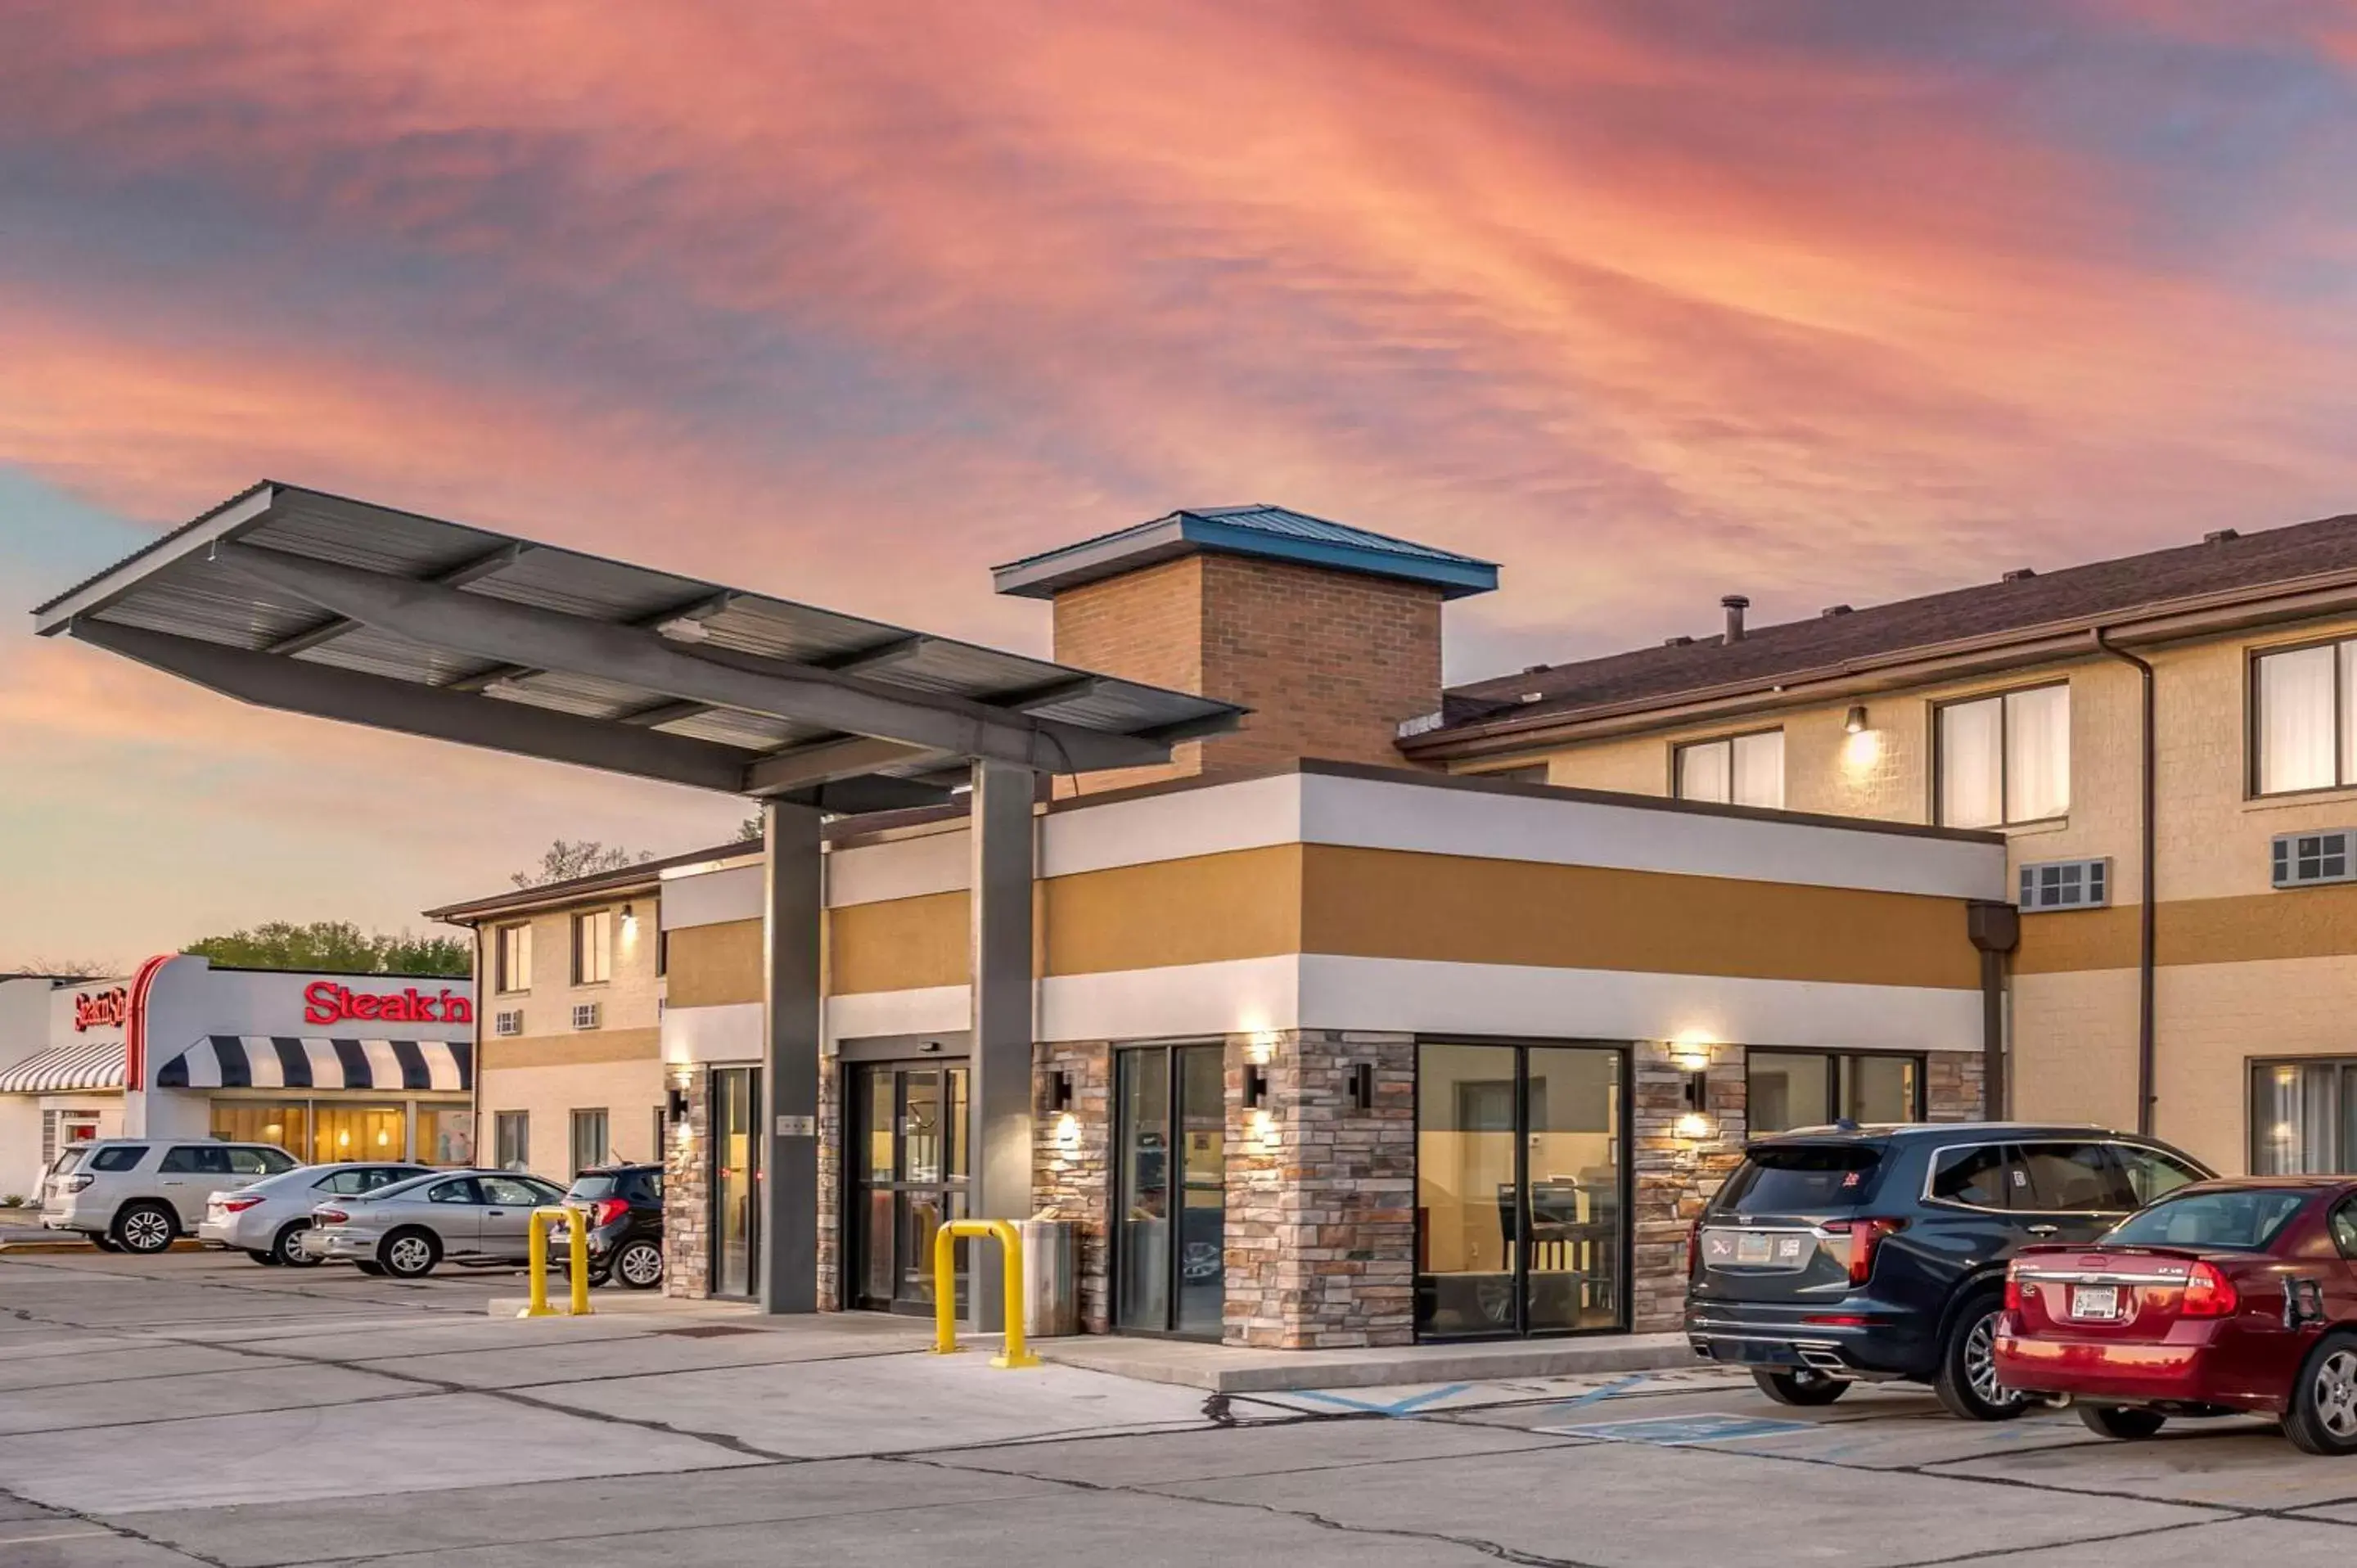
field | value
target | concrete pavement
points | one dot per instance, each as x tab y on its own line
198	1409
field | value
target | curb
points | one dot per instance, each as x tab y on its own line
182	1245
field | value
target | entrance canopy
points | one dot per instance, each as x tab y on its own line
292	598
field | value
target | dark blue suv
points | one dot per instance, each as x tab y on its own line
1845	1254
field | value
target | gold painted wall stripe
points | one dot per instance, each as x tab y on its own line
2311	922
572	1051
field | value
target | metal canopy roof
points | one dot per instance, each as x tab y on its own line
295	599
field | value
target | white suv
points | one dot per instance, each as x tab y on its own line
134	1195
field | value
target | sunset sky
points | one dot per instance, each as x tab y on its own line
1649	300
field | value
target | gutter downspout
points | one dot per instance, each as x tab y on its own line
2145	914
1994	931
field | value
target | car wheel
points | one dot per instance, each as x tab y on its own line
2323	1414
1800	1385
2118	1421
101	1240
638	1265
261	1257
374	1270
409	1255
282	1249
1967	1383
145	1228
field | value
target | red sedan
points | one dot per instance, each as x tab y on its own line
2222	1297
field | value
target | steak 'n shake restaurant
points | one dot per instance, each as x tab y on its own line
328	1067
1317	1048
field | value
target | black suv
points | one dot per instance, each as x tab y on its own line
1842	1254
625	1226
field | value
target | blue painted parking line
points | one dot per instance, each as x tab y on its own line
1397	1407
1618	1386
1678	1430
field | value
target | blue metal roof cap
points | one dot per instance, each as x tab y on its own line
1272	533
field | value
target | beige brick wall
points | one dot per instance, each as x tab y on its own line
631	1000
1330	662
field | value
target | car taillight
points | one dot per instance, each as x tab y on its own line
239	1205
330	1216
606	1210
2209	1294
2013	1288
76	1183
1693	1247
1864	1236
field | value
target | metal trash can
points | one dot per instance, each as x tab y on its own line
1051	1278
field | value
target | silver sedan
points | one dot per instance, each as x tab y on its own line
264	1219
406	1230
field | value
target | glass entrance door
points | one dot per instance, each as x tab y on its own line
1522	1178
909	1169
1170	1258
735	1180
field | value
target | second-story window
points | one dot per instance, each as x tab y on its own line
1739	771
593	948
511	958
2006	759
2303	734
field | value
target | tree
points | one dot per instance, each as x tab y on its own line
749	829
336	945
62	968
565	861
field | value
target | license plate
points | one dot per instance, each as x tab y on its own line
1753	1246
2096	1301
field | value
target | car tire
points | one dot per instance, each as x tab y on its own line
2122	1423
638	1265
144	1229
262	1256
2323	1414
1966	1380
101	1240
283	1251
410	1253
374	1270
1799	1385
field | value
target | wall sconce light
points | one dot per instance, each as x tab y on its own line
1362	1086
1698	1090
675	1104
1060	1091
1255	1086
1856	721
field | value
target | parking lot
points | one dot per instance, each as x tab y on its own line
194	1408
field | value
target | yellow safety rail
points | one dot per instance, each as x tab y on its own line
1010	1247
576	1226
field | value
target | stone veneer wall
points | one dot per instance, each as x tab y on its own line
687	1189
1071	1165
1321	1195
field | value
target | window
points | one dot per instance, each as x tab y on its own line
250	1162
661	1123
446	1135
511	1139
1741	770
2006	759
2075	1179
201	1159
460	1191
1813	1088
2244	1220
118	1159
2152	1174
1800	1176
662	953
593	948
2065	885
2304	1117
506	1191
588	1139
2301	736
2344	1227
512	959
1985	1175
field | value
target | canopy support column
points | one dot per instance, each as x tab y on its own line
793	910
1003	830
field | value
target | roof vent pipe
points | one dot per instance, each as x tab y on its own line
2220	536
2018	573
1832	610
1735	605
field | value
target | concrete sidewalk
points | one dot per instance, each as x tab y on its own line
1229	1370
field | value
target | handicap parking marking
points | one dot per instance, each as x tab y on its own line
1680	1431
1407	1405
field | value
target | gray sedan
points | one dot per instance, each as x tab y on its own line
405	1229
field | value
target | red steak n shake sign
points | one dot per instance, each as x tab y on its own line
325	1002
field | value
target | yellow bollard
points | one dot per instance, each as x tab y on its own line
577	1254
1010	1247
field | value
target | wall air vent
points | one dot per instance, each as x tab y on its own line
585	1014
2066	885
509	1022
2308	860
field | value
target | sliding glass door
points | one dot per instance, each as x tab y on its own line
1171	1186
1522	1178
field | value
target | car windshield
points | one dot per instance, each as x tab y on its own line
1805	1177
67	1162
2235	1220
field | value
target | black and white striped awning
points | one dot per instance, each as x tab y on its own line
282	1061
97	1064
